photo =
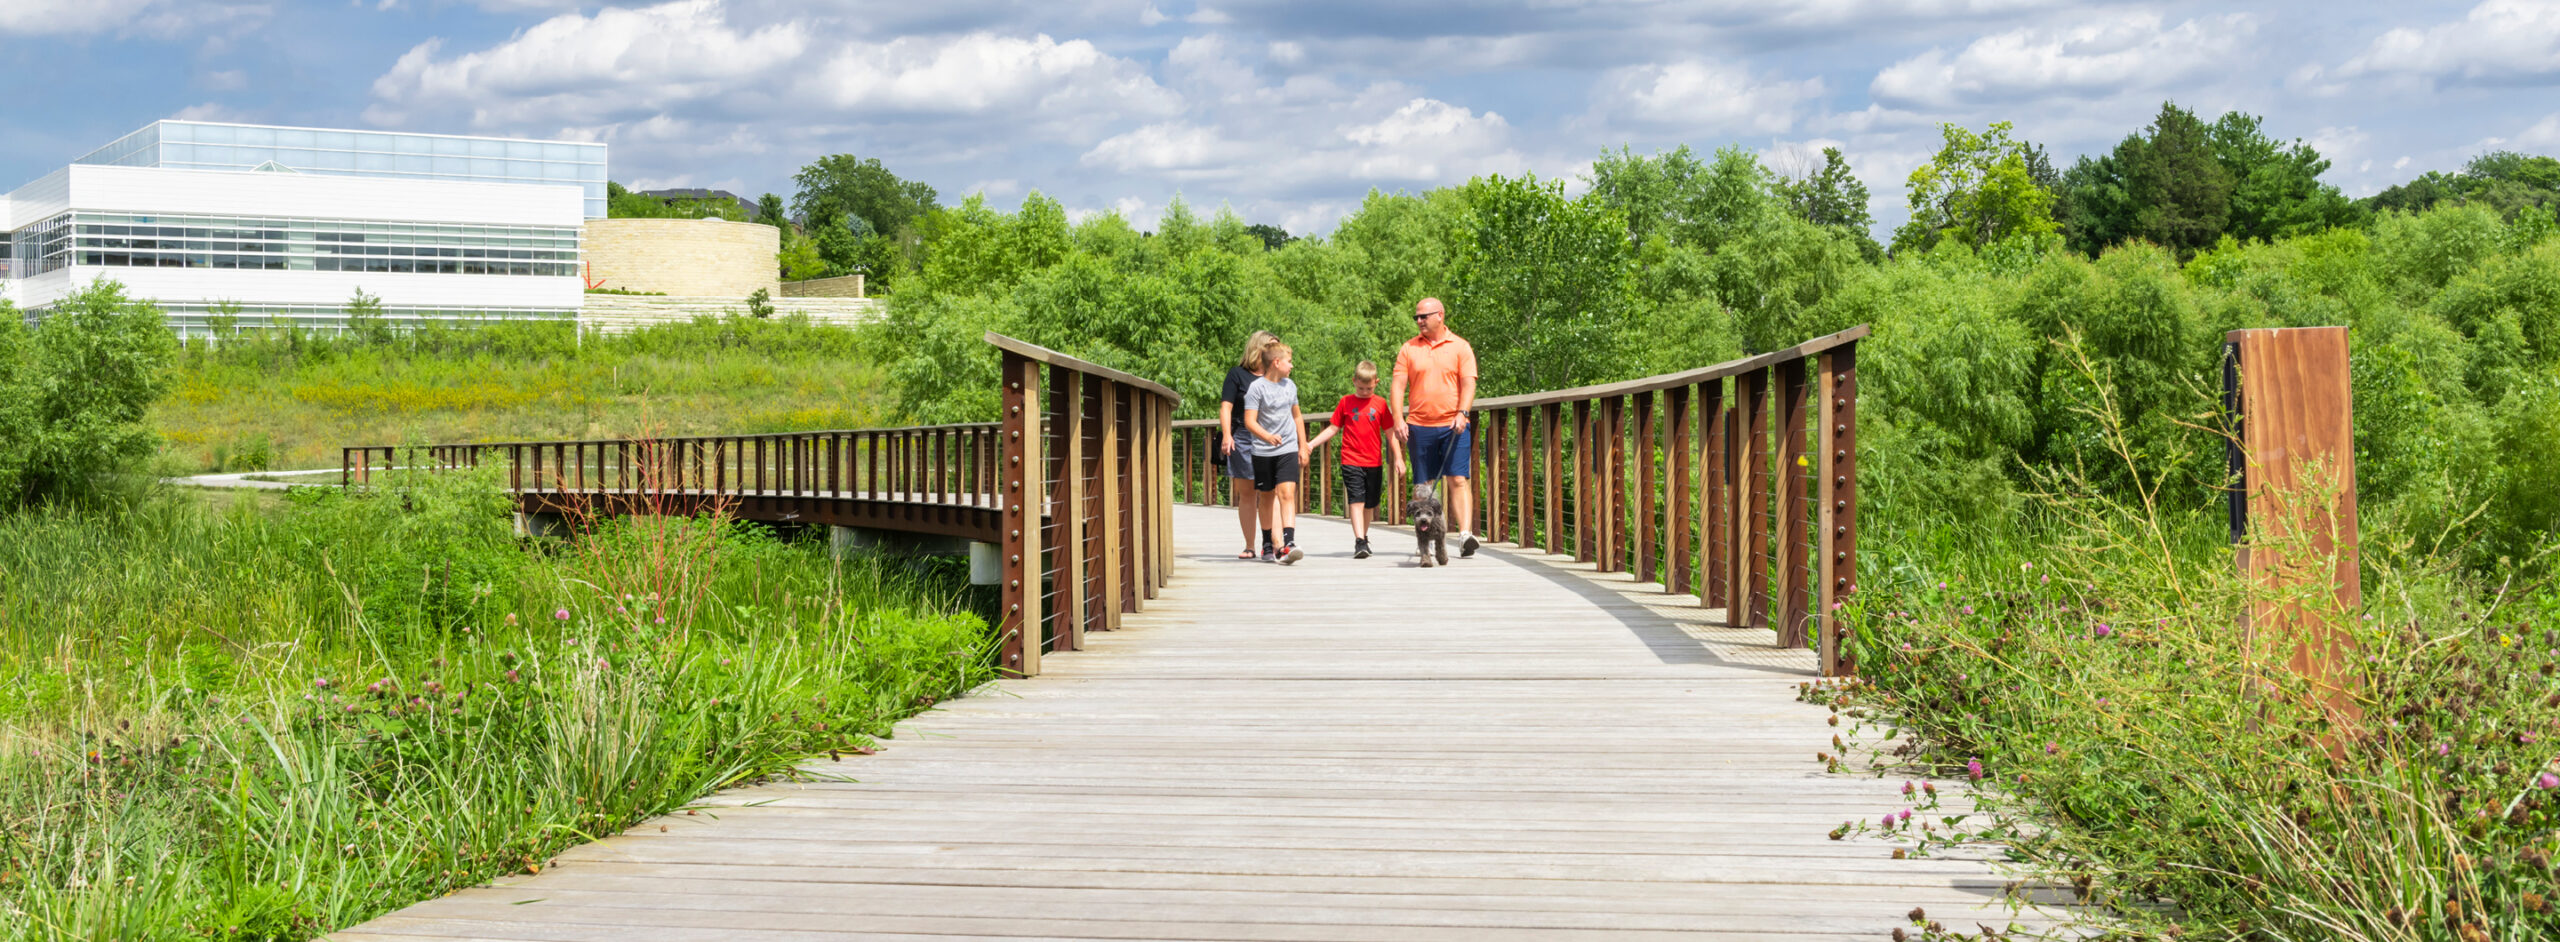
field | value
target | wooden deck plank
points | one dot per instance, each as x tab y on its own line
1512	747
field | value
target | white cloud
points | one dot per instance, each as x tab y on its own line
574	68
2544	136
982	72
228	80
208	111
2498	42
1171	145
2106	57
1702	95
157	18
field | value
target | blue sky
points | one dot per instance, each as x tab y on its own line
1287	111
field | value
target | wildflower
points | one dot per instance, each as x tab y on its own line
2052	748
1887	822
1973	769
2443	749
2102	701
2029	566
1930	787
560	614
511	676
1942	585
1968	609
322	683
603	665
2547	780
1906	789
511	618
662	619
2103	630
1906	816
2044	580
621	610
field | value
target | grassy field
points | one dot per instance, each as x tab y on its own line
262	718
264	402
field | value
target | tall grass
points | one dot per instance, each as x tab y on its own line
245	723
286	399
2132	741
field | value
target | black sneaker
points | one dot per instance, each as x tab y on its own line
1359	549
1269	554
1289	554
1467	550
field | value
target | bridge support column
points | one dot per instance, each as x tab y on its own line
846	541
541	523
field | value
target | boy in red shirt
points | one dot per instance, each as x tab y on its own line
1363	420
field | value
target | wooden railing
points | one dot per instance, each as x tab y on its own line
1756	513
1094	442
1086	445
929	464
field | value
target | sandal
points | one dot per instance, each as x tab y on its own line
1247	553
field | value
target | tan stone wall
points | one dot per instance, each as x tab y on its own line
849	286
712	258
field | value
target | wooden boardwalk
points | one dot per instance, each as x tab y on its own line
1511	748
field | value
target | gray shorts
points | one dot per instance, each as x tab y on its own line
1240	460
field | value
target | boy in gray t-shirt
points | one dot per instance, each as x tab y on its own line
1272	417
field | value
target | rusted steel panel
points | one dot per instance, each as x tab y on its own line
2298	483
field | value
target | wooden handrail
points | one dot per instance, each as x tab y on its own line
1754	512
1072	486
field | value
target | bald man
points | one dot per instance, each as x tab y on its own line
1436	377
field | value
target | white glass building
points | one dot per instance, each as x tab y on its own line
285	225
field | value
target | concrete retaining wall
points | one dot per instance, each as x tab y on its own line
614	313
695	258
849	286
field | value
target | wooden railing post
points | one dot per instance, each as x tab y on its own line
1019	650
1106	405
1838	434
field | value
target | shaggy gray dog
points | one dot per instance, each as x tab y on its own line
1430	527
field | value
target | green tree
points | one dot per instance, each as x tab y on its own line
2179	190
365	319
1979	190
799	258
1833	197
74	393
862	188
622	203
1649	192
770	212
1540	284
2275	188
222	319
1273	237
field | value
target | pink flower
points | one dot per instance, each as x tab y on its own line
2052	748
662	619
1968	609
322	683
2443	749
1973	769
2103	631
1906	789
2547	780
603	665
560	615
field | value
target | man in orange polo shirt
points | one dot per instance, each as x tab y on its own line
1438	369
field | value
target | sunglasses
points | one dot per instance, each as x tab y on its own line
1422	317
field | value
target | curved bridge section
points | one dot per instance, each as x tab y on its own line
1084	444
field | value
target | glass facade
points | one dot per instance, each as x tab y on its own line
197	145
37	248
274	244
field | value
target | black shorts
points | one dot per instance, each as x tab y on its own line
1360	485
1271	471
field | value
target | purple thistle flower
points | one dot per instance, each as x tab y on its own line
1973	769
2103	631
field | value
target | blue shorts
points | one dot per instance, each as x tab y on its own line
1240	459
1440	451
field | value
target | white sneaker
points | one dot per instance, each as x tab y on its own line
1466	545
